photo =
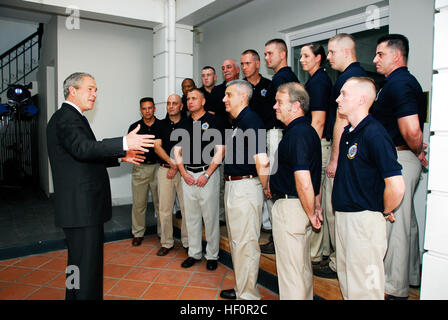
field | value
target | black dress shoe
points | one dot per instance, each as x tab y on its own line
391	297
163	251
228	294
189	262
325	272
137	241
212	265
268	248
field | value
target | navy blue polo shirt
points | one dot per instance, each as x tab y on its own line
262	103
208	99
150	156
400	96
353	70
246	139
299	149
166	128
217	105
284	75
319	89
367	156
200	137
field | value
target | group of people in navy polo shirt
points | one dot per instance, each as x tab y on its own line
337	186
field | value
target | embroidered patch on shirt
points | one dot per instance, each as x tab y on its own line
205	126
263	92
352	151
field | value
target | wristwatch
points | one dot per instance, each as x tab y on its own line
386	214
207	176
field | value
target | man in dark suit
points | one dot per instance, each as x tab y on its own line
81	183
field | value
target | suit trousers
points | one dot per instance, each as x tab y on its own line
144	177
361	244
85	252
320	238
292	238
402	261
244	202
168	188
202	203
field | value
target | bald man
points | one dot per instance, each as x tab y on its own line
342	57
368	186
230	71
169	177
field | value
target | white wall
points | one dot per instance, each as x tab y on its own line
14	31
47	99
120	59
251	25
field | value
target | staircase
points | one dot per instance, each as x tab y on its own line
18	137
18	63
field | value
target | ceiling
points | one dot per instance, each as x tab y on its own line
39	13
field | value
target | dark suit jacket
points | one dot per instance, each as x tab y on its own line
78	163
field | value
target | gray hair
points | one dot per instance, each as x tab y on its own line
243	87
298	93
74	80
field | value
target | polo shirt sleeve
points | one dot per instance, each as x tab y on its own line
319	96
300	153
404	99
385	156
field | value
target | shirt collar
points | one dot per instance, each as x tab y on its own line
296	121
352	65
397	71
361	125
74	106
240	116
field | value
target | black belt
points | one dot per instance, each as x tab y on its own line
196	169
278	196
165	165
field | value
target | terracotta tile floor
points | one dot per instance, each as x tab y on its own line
130	273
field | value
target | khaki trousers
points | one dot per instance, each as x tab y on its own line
361	245
168	188
402	261
273	138
244	202
329	220
202	204
292	234
320	239
144	177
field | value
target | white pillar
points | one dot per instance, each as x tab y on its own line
435	260
173	58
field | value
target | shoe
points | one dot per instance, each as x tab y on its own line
137	241
189	262
178	214
325	272
266	230
212	265
228	294
391	297
268	248
163	251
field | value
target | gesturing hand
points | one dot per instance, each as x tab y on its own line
138	142
134	157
